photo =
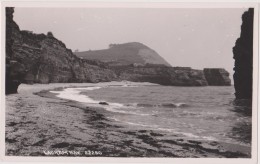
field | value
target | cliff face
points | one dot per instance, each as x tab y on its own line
243	55
54	63
15	71
217	77
175	76
125	54
37	58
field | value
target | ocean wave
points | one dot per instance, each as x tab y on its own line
132	123
74	94
164	105
174	105
126	85
175	131
144	105
116	110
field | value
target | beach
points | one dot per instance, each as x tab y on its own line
38	123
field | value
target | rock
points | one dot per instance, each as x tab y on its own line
103	103
243	55
174	76
14	70
217	77
169	105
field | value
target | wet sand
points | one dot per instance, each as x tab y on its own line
40	124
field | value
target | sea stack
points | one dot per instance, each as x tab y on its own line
217	77
243	55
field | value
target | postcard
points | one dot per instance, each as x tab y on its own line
129	82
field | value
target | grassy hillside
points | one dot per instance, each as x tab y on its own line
124	54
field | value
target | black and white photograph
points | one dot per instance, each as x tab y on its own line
146	81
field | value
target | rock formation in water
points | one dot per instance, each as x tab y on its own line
125	54
39	58
243	55
217	77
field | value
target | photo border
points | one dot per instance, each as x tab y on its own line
80	4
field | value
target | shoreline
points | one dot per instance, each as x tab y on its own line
35	124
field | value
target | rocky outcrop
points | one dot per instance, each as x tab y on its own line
125	54
39	58
15	71
175	76
217	77
243	55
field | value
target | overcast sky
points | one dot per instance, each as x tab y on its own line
197	38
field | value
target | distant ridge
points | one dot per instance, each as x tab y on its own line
125	54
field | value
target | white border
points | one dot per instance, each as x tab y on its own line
151	4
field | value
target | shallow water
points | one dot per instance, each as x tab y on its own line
202	113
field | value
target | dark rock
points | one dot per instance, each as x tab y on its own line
156	134
213	143
168	105
10	140
145	105
217	77
103	103
243	55
14	70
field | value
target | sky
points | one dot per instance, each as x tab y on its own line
188	37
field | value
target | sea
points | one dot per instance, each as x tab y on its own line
208	113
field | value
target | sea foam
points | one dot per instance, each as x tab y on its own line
74	94
174	131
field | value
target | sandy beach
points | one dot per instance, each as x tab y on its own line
40	124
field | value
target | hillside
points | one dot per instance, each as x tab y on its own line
124	54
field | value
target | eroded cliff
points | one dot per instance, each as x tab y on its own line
39	58
217	77
243	55
175	76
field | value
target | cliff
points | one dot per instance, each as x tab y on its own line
217	77
243	55
125	54
15	71
39	58
175	76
